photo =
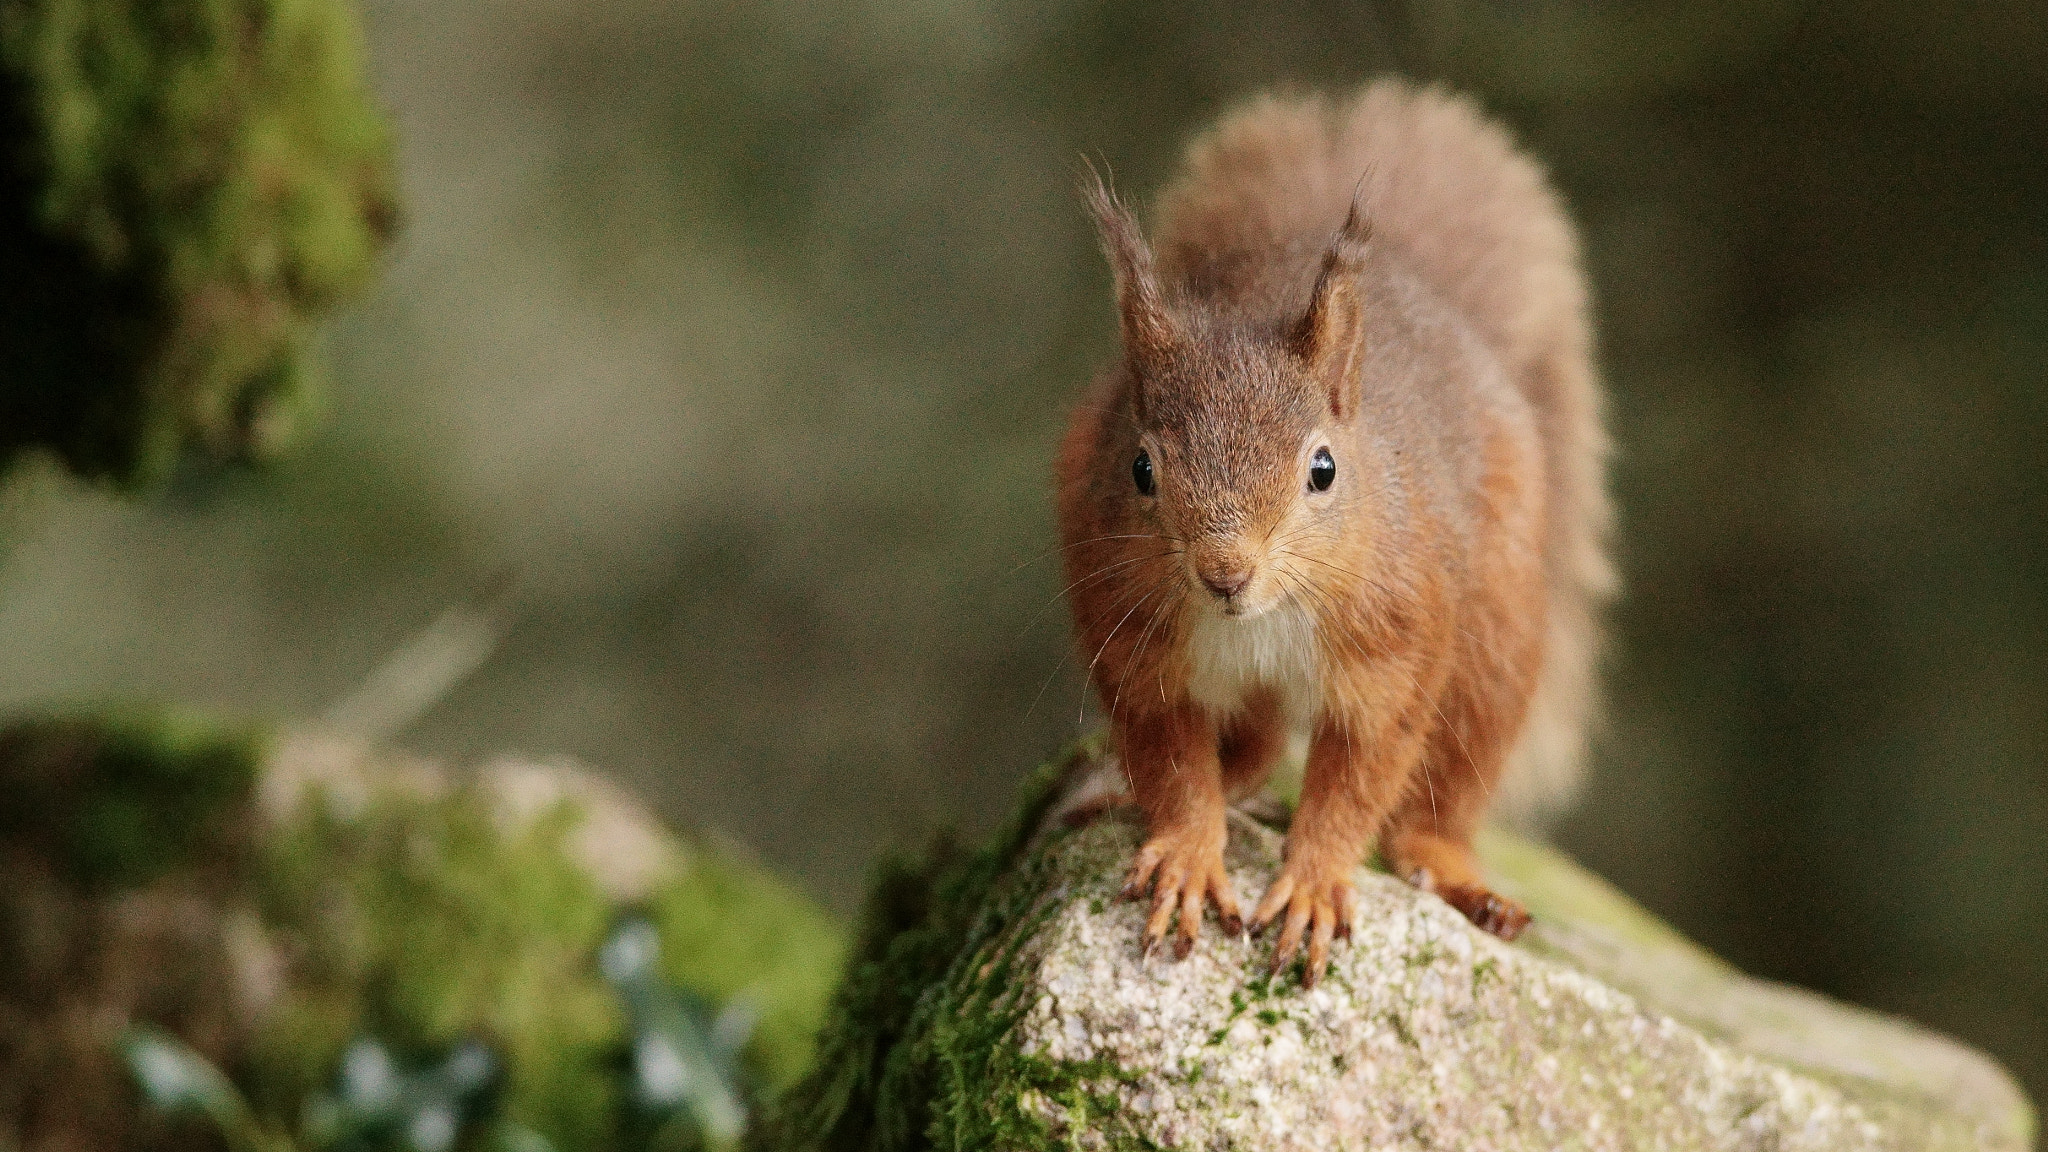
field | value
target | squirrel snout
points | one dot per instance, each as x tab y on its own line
1226	582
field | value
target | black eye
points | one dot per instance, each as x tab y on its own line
1322	470
1141	472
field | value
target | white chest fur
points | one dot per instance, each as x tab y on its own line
1230	658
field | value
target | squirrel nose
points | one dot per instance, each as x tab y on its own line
1227	583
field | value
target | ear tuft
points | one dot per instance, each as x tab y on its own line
1330	336
1150	332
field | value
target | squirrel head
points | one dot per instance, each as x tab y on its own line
1238	449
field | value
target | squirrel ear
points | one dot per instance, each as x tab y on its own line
1150	332
1330	336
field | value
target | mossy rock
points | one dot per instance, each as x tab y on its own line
999	1000
333	893
186	186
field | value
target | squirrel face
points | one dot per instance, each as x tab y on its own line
1234	454
1240	447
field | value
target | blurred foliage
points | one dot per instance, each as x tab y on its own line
452	929
734	934
448	1105
744	334
687	1088
455	929
184	188
443	935
176	1080
452	1102
118	800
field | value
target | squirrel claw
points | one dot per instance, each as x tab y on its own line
1182	882
1317	912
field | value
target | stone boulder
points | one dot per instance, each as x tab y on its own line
999	1000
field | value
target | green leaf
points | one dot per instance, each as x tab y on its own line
683	1061
174	1079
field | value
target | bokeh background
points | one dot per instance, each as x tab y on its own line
725	346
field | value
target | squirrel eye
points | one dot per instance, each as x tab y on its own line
1322	470
1141	472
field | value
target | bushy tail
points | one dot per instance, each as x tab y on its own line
1453	200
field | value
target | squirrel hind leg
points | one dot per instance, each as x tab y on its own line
1447	866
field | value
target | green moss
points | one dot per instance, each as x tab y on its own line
424	920
186	186
421	922
729	929
118	800
956	1084
396	909
908	1040
911	1057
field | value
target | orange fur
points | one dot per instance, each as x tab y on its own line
1386	280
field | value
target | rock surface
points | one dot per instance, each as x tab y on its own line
1603	1029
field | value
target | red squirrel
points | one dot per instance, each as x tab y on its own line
1344	482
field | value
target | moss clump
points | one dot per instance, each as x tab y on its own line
426	920
121	841
909	1059
184	186
165	877
963	1082
118	801
730	930
420	922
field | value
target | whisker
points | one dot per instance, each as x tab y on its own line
1298	533
1358	576
1050	676
1158	613
1112	635
1104	570
1368	581
1092	540
1457	737
1064	656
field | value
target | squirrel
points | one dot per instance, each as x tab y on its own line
1345	482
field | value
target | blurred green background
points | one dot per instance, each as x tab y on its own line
734	341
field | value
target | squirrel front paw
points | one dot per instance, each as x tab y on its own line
1317	904
1184	875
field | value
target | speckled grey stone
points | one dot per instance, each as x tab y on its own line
1602	1029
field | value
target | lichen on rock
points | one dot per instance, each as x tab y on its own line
1025	1018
